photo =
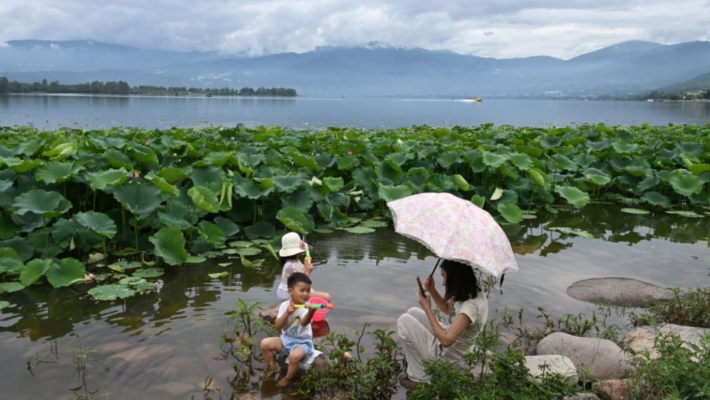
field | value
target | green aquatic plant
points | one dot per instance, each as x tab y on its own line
179	193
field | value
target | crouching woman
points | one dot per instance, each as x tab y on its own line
425	338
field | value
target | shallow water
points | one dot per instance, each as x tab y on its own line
163	345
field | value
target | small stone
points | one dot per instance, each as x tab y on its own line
614	389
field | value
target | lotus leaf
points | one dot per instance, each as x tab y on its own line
635	211
334	184
132	281
497	194
110	178
170	245
10	264
304	161
240	243
111	292
301	200
622	146
217	275
34	270
172	175
41	202
522	161
359	229
145	155
478	200
511	212
288	183
573	195
10	287
389	172
66	272
688	214
249	251
685	183
4	304
250	159
176	215
251	264
565	162
149	273
572	231
540	178
195	259
550	142
596	176
204	198
163	184
55	171
294	220
138	199
391	193
117	159
449	158
374	224
691	147
20	165
260	229
228	227
8	229
212	233
656	199
348	163
325	160
210	177
97	222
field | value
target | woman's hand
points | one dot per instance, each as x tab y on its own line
424	301
429	284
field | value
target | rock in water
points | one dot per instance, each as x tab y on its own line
618	292
600	358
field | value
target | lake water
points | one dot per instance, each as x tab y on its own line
52	111
163	345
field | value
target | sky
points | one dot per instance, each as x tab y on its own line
494	28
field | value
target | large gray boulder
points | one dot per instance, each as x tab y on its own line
618	292
599	358
642	338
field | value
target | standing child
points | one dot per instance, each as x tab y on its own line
296	340
291	249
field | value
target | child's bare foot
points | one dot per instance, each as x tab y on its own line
283	382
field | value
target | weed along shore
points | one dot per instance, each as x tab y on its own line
128	249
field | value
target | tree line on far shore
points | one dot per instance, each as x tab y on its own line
121	87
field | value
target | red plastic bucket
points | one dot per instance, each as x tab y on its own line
320	313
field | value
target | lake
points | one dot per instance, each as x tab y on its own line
93	112
164	344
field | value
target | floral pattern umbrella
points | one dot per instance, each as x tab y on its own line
454	229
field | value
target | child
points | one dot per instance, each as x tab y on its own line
296	340
291	248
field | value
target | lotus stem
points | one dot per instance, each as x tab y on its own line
46	237
135	220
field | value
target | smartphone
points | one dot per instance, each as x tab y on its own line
419	282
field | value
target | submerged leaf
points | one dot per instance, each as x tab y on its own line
359	229
634	211
111	292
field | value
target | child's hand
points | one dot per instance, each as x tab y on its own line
291	308
429	284
307	266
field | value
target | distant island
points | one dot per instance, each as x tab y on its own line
123	88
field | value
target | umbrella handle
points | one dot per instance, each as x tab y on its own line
436	265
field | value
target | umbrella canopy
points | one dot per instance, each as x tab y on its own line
454	229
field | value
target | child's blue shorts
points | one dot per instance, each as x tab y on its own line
291	342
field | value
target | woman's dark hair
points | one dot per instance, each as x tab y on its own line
284	260
298	277
461	282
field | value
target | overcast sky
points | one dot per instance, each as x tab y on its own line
493	28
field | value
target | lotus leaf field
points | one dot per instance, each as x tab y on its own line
164	198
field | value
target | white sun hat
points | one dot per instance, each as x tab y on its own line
291	244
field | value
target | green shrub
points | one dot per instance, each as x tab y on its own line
373	379
690	309
509	378
682	370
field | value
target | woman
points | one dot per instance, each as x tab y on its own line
425	338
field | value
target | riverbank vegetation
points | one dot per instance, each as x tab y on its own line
123	88
180	195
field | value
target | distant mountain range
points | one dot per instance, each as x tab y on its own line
369	70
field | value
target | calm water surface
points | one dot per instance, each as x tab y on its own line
52	111
163	345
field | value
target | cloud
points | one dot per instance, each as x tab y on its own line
504	28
